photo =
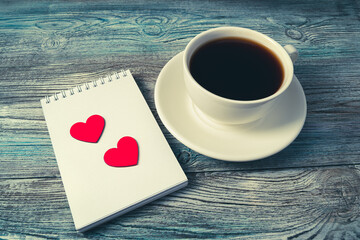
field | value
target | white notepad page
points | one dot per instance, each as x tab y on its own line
97	192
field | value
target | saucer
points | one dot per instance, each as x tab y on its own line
237	143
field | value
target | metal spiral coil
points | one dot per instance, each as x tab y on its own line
88	85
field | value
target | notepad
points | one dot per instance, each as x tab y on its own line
101	183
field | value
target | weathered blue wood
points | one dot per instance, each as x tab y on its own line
308	190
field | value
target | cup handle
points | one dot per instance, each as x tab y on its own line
293	53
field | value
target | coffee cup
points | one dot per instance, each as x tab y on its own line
218	109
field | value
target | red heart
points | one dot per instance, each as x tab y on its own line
89	131
126	153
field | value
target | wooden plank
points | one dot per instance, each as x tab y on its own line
312	203
32	156
26	150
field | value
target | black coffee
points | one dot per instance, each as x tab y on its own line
237	68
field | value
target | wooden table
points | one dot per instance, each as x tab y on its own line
310	190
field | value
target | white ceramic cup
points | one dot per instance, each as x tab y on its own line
222	110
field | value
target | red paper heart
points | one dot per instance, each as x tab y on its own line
126	153
89	131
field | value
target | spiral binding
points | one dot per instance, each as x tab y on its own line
87	86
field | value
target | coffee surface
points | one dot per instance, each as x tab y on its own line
237	69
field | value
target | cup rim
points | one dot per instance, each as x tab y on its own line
282	88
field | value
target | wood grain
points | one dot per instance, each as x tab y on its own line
293	204
307	191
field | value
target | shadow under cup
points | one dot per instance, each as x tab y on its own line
224	111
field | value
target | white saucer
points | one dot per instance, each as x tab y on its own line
237	143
